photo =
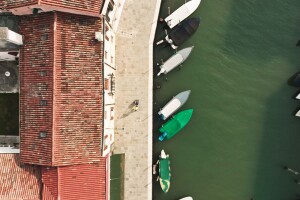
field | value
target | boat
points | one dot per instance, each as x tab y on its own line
182	32
175	60
298	96
182	13
174	125
296	81
186	198
174	104
298	113
164	171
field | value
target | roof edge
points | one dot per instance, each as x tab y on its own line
54	85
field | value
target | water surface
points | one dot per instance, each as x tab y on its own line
243	129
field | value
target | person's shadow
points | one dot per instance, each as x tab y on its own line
128	111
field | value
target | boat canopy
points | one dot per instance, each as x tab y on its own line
175	61
182	32
174	125
169	109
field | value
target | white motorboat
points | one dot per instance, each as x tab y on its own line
298	113
173	105
186	198
175	60
298	96
182	12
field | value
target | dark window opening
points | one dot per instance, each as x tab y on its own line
43	102
44	37
43	73
43	134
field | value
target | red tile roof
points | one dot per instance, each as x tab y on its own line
50	183
36	56
93	6
19	3
18	181
60	66
22	181
84	182
85	7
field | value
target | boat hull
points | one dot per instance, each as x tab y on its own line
173	105
182	32
186	198
182	13
164	172
176	124
175	60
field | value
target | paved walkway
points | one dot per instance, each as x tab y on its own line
134	79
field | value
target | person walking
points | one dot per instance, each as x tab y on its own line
135	105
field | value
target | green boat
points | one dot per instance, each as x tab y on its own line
174	125
164	171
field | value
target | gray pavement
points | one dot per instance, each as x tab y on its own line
134	78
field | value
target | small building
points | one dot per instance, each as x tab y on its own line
34	182
61	98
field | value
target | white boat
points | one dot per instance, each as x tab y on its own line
298	113
186	198
175	60
182	12
173	105
298	96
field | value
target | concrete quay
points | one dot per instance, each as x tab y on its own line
134	81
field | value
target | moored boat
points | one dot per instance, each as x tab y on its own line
173	105
182	32
298	96
296	81
298	113
182	13
176	124
175	60
164	171
186	198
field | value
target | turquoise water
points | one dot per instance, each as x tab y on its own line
243	129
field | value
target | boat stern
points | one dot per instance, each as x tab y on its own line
164	184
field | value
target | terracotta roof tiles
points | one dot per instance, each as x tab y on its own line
63	47
85	7
84	182
18	181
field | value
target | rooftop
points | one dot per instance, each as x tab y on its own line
61	89
18	181
83	7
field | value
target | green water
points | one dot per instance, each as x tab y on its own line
117	176
243	129
9	114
